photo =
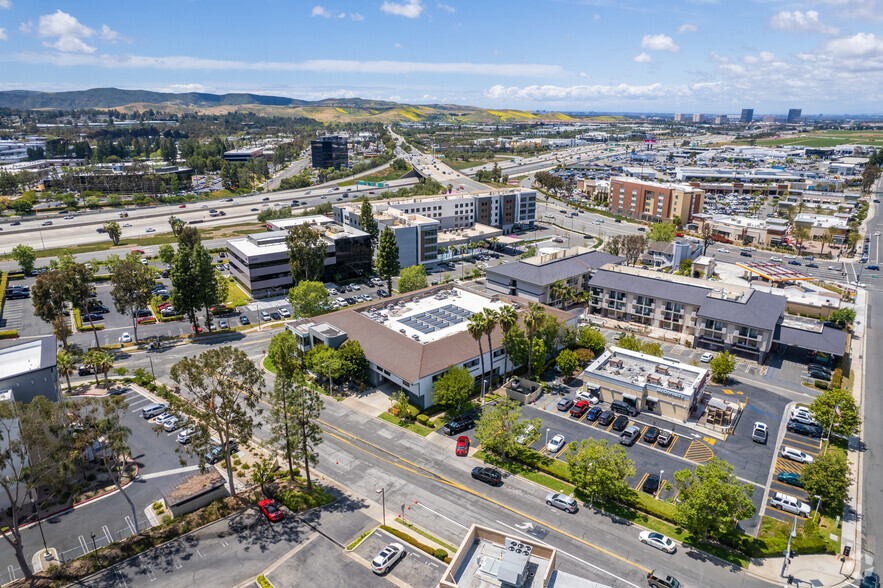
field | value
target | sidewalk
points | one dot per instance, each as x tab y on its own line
808	570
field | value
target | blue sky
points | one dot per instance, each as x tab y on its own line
709	56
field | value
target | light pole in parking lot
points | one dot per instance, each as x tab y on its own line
661	482
818	506
547	436
382	493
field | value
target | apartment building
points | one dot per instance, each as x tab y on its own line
654	202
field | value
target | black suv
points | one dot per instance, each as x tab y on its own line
620	423
458	425
623	407
86	370
804	429
487	475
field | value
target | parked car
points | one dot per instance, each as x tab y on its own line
270	510
487	475
801	414
664	438
593	413
173	424
462	445
285	312
186	435
387	558
152	410
651	435
814	431
790	504
651	484
661	580
629	436
620	423
458	425
605	418
565	503
265	316
164	418
579	409
244	320
564	404
555	444
85	370
790	478
657	540
706	357
223	324
796	455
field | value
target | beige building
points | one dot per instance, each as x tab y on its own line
767	232
648	383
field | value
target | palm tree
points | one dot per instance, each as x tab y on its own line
492	318
67	364
90	358
800	233
103	363
827	238
532	321
508	318
494	241
476	326
561	292
584	297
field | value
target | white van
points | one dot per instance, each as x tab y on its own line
151	410
790	504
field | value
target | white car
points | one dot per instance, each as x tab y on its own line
265	316
555	444
333	292
356	287
796	455
285	312
223	325
367	297
149	230
164	418
587	396
790	504
657	540
562	501
877	234
386	558
801	414
125	338
790	257
185	435
173	424
127	224
706	357
775	259
723	250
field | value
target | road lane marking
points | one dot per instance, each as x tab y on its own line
641	483
443	516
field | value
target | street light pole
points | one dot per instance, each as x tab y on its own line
382	493
818	506
659	490
547	436
95	549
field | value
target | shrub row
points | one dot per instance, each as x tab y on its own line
440	554
78	320
13	334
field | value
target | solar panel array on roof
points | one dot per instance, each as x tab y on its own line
437	318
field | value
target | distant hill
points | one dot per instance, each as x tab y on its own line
328	110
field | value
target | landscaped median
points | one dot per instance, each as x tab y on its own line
78	321
659	515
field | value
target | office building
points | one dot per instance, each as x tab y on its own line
794	116
125	180
329	151
652	201
260	262
244	154
747	115
416	234
411	340
721	119
679	117
698	118
28	370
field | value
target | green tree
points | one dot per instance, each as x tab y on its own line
412	278
651	348
567	362
517	346
630	341
453	389
226	387
25	256
828	476
843	316
114	200
66	362
189	237
533	319
476	328
308	299
114	231
499	427
538	356
93	202
177	225
22	207
283	353
369	224
387	263
23	427
686	267
600	470
353	364
166	253
490	319
49	294
823	407
592	339
295	425
676	220
168	150
722	366
711	499
306	253
132	283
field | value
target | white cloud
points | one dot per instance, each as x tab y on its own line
356	16
68	32
565	93
408	9
7	4
596	17
26	27
857	9
446	8
687	28
659	43
319	10
859	45
113	36
642	57
801	22
3	35
183	62
767	56
177	88
583	74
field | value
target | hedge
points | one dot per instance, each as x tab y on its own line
13	334
436	553
81	327
3	281
837	378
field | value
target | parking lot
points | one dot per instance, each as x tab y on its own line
416	568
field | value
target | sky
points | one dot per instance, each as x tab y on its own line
707	56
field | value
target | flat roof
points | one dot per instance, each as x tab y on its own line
283	224
544	272
826	340
774	271
655	374
26	357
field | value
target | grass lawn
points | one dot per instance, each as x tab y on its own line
460	164
519	469
445	544
384	175
268	363
236	296
411	426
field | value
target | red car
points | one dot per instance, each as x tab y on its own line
579	408
183	206
462	445
269	508
146	319
141	251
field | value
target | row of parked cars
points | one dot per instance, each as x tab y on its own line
171	422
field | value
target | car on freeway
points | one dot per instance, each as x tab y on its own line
564	404
706	357
562	501
556	444
790	478
812	265
723	250
657	540
244	320
793	262
186	435
835	268
606	417
776	259
182	206
621	423
458	425
270	510
796	455
579	409
387	558
593	413
760	433
874	268
651	435
462	445
487	475
149	230
813	431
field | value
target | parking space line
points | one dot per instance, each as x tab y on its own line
672	444
560	452
107	534
83	545
788	488
790	514
786	465
641	483
814	446
644	430
794	448
611	425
